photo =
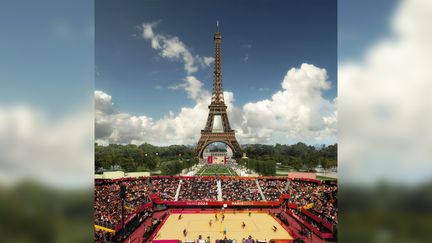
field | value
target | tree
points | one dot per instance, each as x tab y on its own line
103	157
127	164
237	154
130	157
328	163
165	169
150	162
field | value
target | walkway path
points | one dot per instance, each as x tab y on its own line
260	191
178	191
219	189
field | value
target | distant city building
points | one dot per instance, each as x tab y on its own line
217	157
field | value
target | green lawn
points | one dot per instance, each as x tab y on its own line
281	173
156	172
324	178
282	170
216	170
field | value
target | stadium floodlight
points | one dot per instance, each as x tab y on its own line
123	197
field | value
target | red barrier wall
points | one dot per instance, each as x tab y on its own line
128	219
155	198
323	222
310	227
222	203
305	175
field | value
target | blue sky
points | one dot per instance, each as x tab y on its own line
361	23
47	54
46	92
274	37
47	63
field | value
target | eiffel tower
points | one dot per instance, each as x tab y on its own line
217	107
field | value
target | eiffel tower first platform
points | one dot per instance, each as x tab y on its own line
217	107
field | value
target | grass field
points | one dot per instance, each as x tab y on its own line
216	170
324	178
282	170
258	225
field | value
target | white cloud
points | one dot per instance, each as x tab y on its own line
208	60
172	48
127	128
182	128
297	111
385	103
246	46
103	102
33	145
148	30
246	58
192	86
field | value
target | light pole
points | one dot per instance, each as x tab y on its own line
123	197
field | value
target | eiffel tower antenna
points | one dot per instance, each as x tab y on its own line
217	107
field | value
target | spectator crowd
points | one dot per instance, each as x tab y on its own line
166	187
272	189
198	189
323	197
101	236
107	206
234	189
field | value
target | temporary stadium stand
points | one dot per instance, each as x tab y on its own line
199	205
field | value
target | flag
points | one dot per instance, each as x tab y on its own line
308	206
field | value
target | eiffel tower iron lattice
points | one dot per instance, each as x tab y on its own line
217	107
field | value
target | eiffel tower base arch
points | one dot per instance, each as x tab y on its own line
207	138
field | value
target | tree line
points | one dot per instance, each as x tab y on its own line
145	157
176	166
297	156
172	159
263	167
